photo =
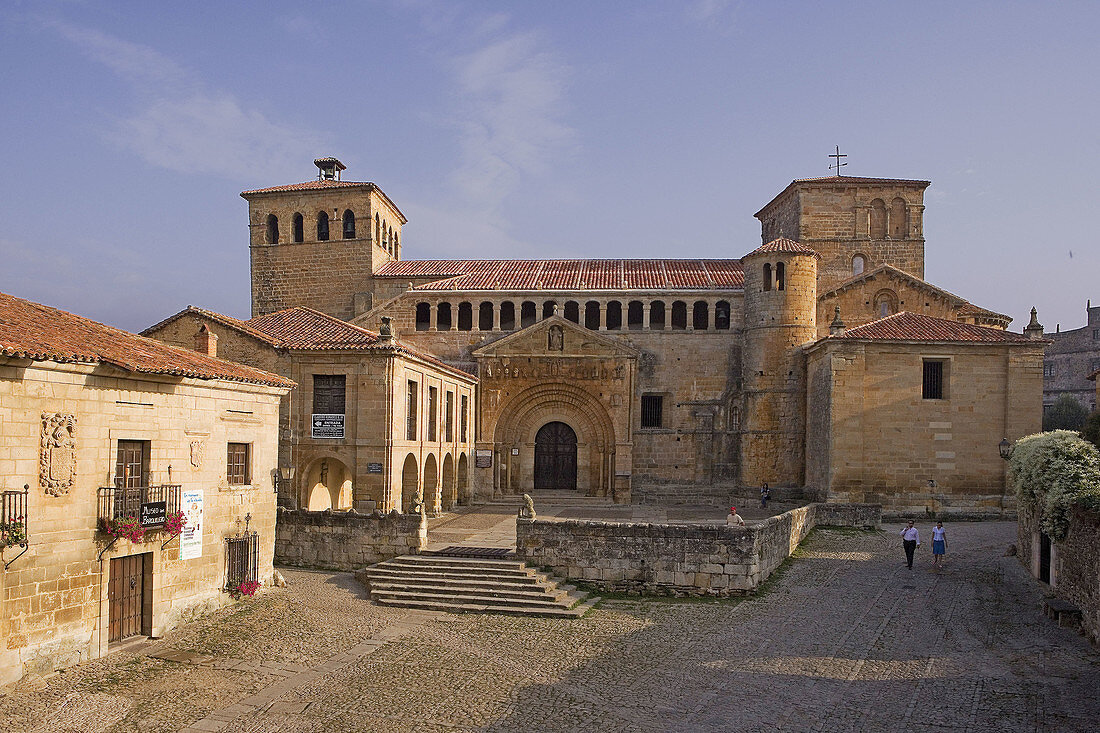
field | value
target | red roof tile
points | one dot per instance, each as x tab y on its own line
310	186
906	326
217	318
783	245
570	274
305	328
33	331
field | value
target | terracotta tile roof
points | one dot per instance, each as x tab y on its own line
906	326
310	186
783	245
976	310
33	331
305	328
570	274
221	318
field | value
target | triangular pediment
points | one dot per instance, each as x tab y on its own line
886	273
557	336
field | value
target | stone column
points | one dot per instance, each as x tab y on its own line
603	316
433	316
496	316
645	316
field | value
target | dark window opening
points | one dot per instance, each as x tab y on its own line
592	315
299	228
443	317
548	309
272	229
722	315
322	227
464	417
423	316
433	412
349	224
572	311
465	317
679	315
614	315
237	468
485	316
700	315
767	276
657	315
410	411
780	276
652	411
329	394
449	418
634	315
527	314
933	380
507	316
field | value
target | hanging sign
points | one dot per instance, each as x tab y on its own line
191	537
153	513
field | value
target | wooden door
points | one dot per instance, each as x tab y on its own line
555	457
132	463
129	612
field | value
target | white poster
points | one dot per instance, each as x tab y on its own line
191	537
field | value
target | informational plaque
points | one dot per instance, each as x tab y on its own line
374	468
327	425
483	458
191	537
153	513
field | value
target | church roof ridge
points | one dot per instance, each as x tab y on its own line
909	326
782	244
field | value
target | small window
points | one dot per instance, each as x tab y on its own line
242	561
700	315
679	315
507	316
465	317
423	316
485	316
132	464
410	411
572	311
329	394
449	418
299	228
443	317
237	464
657	315
858	263
322	227
349	224
1049	369
272	229
635	312
652	411
767	276
527	314
614	315
433	412
780	276
722	315
592	315
464	417
933	388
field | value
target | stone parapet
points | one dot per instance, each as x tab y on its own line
678	559
346	540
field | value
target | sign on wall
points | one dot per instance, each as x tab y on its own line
327	425
191	537
374	468
483	458
153	513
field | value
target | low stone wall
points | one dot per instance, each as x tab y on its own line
345	540
678	559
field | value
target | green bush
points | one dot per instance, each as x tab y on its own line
1055	471
1065	414
1091	431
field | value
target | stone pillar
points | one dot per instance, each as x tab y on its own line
496	316
433	316
645	316
603	316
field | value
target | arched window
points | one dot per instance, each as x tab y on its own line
656	315
299	228
858	263
485	316
548	309
322	227
722	315
885	303
272	236
465	317
679	315
389	240
878	219
634	315
767	276
527	314
349	224
614	315
396	246
592	315
507	316
423	316
780	276
378	231
700	315
899	219
443	317
572	311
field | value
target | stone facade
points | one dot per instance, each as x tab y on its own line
1071	358
691	560
56	608
346	540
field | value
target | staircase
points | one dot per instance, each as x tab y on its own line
471	584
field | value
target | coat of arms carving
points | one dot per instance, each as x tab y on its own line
197	448
57	461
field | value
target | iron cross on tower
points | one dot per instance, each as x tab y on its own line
838	165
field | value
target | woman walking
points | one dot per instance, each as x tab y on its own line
939	545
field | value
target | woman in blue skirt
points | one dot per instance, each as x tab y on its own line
939	545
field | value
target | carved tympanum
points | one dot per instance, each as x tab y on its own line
57	461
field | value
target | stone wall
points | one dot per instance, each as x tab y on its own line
1071	357
346	540
683	559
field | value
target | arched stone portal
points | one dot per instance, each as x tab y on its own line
410	484
431	485
447	489
462	480
555	457
328	485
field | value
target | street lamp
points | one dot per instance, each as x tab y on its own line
1005	448
282	476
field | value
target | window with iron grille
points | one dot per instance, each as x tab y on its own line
242	560
1048	369
237	463
329	394
410	411
433	412
933	380
449	418
463	417
652	411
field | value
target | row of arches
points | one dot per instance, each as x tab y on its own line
384	234
780	273
890	222
439	487
597	315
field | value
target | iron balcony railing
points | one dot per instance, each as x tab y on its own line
120	502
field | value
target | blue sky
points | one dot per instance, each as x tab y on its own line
563	129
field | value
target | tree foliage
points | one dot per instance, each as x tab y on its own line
1055	471
1065	414
1091	431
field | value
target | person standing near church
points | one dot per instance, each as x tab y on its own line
765	494
939	545
910	540
733	519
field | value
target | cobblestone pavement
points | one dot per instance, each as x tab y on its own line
847	639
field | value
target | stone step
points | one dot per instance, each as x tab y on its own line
539	593
572	613
485	599
468	577
460	562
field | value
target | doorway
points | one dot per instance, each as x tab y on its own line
555	457
1044	557
130	597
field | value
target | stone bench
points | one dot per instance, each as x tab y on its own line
1064	612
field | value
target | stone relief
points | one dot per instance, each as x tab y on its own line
198	447
555	340
57	462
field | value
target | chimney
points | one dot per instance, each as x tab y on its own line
206	341
1034	329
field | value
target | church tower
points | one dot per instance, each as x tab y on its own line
854	224
780	315
319	242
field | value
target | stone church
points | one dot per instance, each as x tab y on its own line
821	362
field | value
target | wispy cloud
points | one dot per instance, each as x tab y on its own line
183	125
714	13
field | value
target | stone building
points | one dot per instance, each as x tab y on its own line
1071	358
670	379
374	425
110	432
